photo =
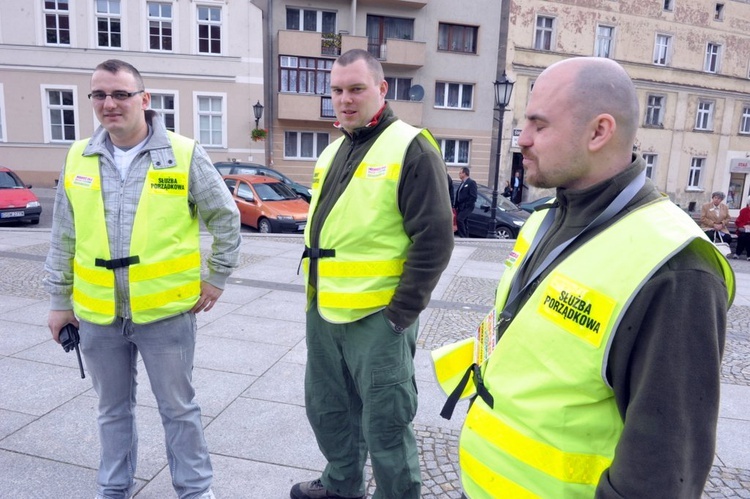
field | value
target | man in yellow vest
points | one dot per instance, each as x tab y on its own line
611	317
124	266
378	237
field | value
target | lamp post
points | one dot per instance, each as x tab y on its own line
258	112
503	89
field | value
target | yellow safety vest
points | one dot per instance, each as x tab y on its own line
554	424
164	259
364	228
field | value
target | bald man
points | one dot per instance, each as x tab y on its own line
612	316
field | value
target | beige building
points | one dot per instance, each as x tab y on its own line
439	61
202	62
690	60
206	62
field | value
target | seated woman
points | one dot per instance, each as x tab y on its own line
715	217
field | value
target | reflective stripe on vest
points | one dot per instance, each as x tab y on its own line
555	423
364	227
166	280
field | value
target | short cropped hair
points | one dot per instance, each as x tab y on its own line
115	65
718	194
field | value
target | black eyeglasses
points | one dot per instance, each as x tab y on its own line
116	95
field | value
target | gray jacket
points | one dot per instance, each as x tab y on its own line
207	193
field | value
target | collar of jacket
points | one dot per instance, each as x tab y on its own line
380	121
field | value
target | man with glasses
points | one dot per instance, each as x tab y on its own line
125	267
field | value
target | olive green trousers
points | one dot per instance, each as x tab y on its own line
361	396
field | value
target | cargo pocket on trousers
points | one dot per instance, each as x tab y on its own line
394	404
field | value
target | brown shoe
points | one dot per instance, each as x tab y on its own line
315	490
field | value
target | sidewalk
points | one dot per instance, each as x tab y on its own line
249	370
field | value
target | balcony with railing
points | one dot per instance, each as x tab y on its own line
305	107
396	52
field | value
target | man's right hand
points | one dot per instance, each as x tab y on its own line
57	320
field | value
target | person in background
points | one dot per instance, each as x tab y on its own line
715	217
508	191
466	199
378	238
517	190
124	266
604	381
742	224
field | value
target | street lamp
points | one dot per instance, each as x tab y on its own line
258	112
503	89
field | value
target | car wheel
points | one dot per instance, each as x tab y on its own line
504	232
35	221
264	226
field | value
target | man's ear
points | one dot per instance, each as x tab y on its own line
602	129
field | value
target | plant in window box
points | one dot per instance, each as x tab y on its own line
258	134
330	44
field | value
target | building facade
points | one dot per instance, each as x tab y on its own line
690	61
202	62
439	62
206	62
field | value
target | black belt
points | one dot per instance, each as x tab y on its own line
314	253
117	263
455	395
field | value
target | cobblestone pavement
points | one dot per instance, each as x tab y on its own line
20	275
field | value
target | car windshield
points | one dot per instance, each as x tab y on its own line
502	202
10	181
274	191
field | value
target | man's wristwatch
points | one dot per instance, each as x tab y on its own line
396	327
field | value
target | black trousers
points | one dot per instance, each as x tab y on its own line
462	221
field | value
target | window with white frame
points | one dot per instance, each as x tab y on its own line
164	104
605	38
654	110
457	38
650	160
305	75
209	30
211	120
704	116
713	54
455	152
304	145
108	24
160	26
745	120
662	49
61	114
57	22
696	170
543	33
398	88
310	20
453	95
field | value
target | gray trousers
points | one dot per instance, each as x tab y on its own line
361	396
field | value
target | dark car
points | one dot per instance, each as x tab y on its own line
235	168
530	206
508	219
17	202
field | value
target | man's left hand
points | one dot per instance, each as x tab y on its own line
209	295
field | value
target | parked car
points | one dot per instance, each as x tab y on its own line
267	204
17	202
508	219
530	206
234	167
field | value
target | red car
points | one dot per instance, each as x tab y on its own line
267	204
17	202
